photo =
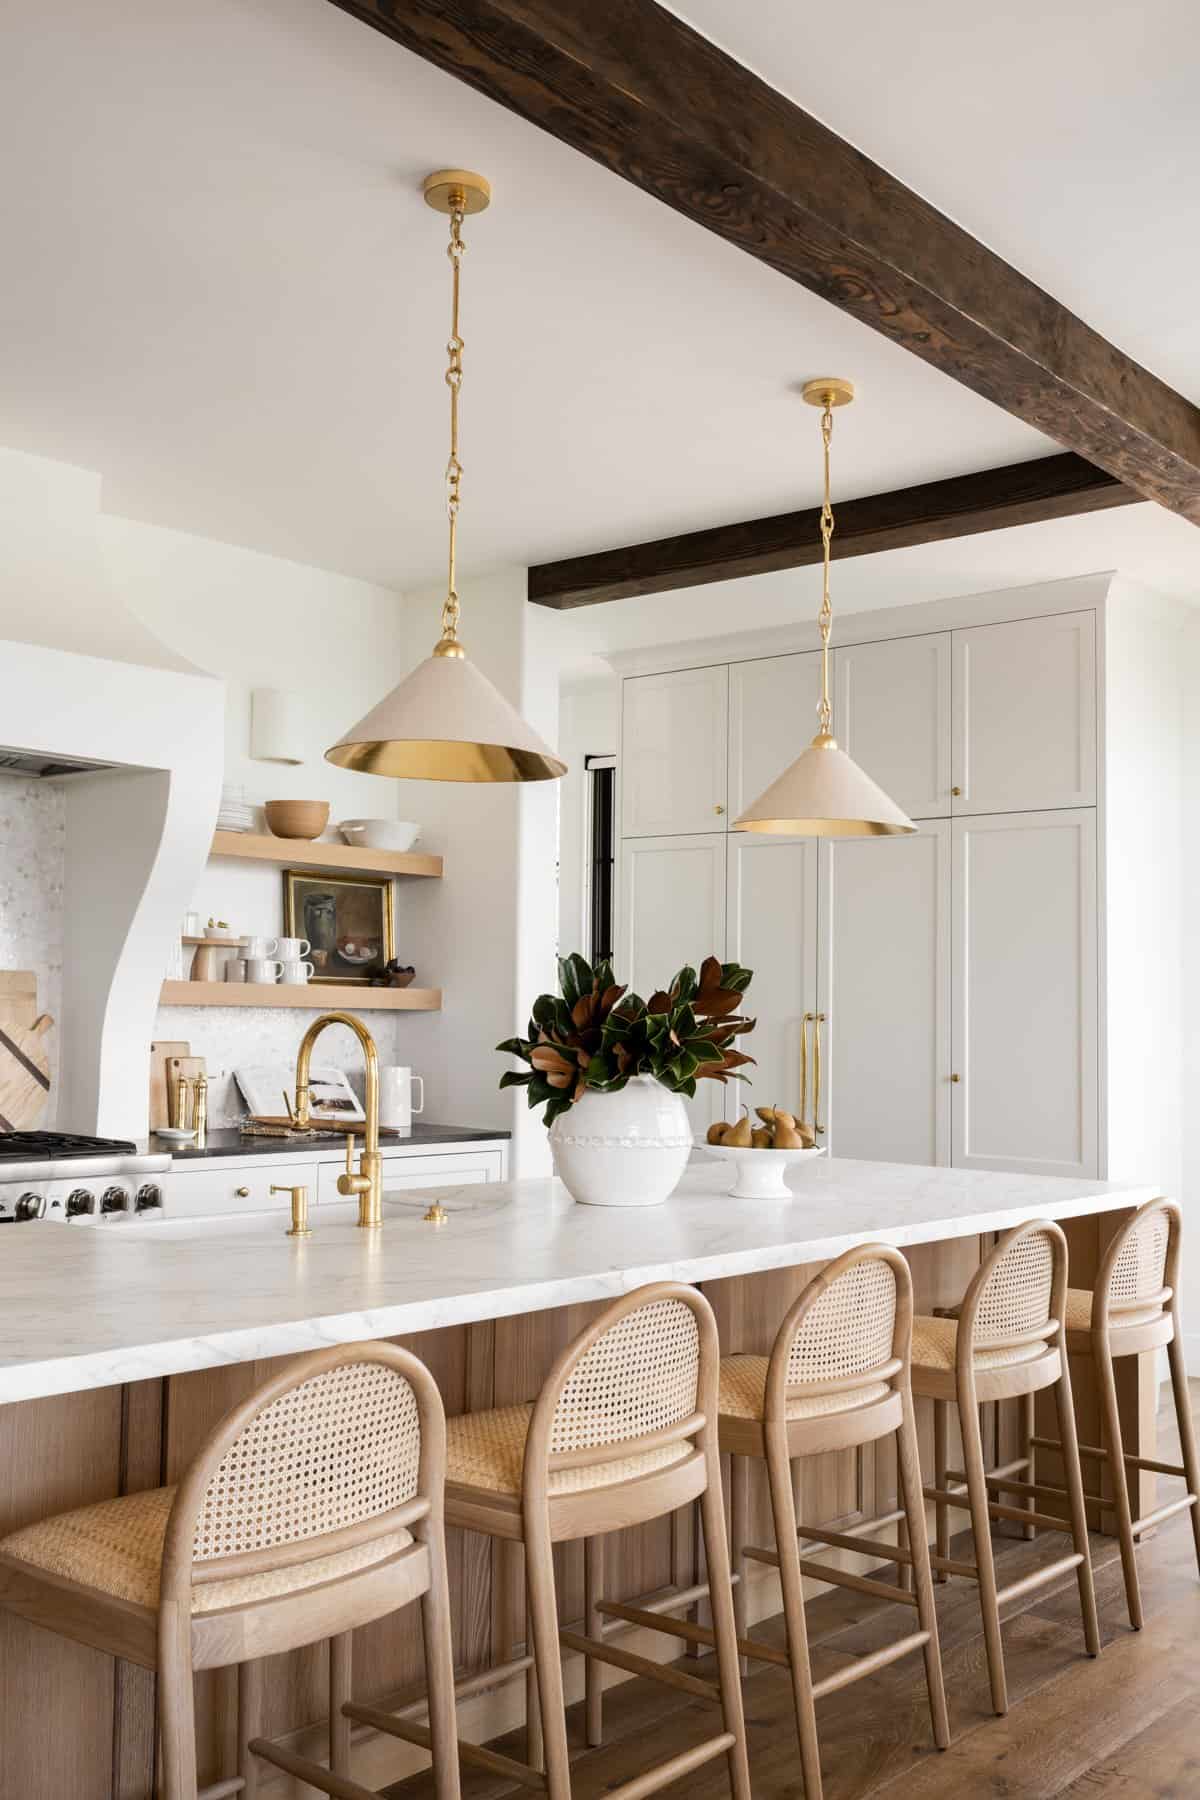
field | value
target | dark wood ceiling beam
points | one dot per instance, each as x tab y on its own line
634	88
1052	487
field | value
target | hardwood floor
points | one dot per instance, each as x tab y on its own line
1125	1726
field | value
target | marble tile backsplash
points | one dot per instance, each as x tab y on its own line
247	1035
33	837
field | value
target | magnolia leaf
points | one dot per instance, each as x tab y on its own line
515	1078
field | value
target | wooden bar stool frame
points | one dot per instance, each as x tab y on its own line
968	1385
1119	1326
540	1517
779	1439
173	1641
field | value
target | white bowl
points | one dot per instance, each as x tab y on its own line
759	1174
380	834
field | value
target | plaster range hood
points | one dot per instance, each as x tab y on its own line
92	699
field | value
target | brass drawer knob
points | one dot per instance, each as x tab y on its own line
718	810
242	1193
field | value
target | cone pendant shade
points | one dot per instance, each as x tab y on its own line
824	793
446	722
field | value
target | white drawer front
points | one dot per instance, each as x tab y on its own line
401	1172
193	1193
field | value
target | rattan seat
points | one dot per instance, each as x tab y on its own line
486	1450
313	1508
1079	1312
744	1385
116	1548
935	1344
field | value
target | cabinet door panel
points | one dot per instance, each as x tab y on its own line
1025	714
1025	993
885	991
772	718
672	912
892	715
772	924
674	734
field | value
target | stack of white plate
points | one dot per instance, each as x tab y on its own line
237	813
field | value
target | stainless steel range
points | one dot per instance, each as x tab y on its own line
58	1177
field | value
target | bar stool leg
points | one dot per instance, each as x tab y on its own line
739	1515
941	1463
535	1749
909	1470
176	1703
783	1509
250	1687
1106	1381
439	1671
1028	1406
1187	1433
543	1634
720	1590
1073	1481
593	1593
981	1530
341	1666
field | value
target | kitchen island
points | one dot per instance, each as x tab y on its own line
121	1344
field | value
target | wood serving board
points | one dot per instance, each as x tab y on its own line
24	1073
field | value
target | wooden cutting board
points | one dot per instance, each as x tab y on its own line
24	1073
161	1052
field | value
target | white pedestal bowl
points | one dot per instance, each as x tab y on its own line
759	1174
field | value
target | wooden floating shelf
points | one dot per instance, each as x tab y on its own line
299	853
312	996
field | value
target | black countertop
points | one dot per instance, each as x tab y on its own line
227	1142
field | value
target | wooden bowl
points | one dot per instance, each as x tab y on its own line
297	818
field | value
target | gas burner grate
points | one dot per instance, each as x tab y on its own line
50	1146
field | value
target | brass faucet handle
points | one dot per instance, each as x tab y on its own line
300	1225
352	1181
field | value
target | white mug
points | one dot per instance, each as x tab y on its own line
295	973
254	949
396	1106
262	968
290	950
235	969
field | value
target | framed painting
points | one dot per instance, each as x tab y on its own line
347	920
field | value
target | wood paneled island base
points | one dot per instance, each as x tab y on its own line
166	1312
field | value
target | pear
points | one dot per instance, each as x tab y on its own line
766	1114
716	1133
786	1135
739	1136
761	1139
785	1118
807	1135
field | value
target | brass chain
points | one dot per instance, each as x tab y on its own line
454	468
825	616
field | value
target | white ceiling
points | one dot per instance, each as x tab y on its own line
222	289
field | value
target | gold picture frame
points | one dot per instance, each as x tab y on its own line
348	921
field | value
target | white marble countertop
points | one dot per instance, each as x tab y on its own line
83	1308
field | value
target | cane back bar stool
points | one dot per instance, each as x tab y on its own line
314	1507
837	1377
1006	1341
1134	1308
623	1431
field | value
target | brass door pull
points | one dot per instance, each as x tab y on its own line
818	1021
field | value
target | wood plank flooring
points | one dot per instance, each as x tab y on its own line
1126	1726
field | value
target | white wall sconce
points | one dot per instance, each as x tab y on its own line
276	726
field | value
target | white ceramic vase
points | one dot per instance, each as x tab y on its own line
623	1149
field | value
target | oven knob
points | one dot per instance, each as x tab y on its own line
31	1206
114	1199
80	1201
148	1198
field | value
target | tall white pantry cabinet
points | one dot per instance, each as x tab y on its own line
971	994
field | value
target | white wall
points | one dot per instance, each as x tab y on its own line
1189	839
33	837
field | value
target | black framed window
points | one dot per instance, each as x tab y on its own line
602	784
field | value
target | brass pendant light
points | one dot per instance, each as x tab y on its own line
824	793
446	721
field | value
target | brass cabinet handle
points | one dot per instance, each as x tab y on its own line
805	1017
718	810
956	1078
818	1021
957	792
242	1193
